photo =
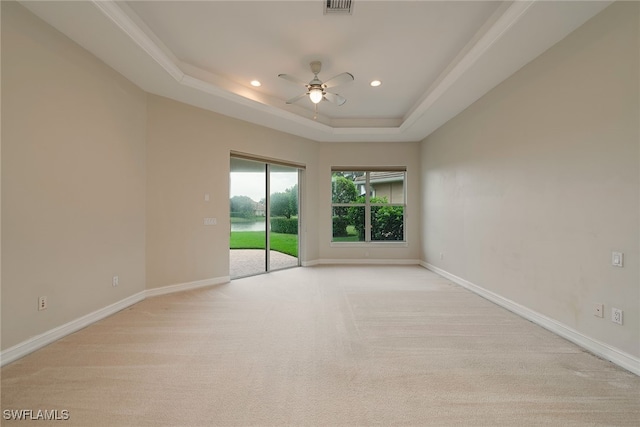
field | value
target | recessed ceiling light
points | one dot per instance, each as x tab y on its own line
255	83
375	83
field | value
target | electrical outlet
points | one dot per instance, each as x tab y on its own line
42	303
616	315
115	281
598	310
441	256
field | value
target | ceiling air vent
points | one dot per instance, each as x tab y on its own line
337	7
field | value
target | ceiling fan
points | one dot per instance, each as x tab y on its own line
316	88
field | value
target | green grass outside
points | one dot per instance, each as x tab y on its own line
352	235
285	243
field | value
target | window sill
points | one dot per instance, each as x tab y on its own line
369	244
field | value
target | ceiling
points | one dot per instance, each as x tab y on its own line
434	58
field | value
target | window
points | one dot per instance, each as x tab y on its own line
368	205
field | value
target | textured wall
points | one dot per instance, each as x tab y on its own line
528	191
73	179
188	156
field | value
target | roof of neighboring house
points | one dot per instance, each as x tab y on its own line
375	177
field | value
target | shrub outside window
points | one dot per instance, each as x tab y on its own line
368	205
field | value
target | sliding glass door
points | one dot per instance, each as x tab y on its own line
283	217
248	212
264	213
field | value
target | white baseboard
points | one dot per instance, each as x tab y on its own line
186	286
620	358
365	261
39	341
32	344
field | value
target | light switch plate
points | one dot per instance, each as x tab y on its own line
210	221
617	259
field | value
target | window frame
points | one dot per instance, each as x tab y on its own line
367	205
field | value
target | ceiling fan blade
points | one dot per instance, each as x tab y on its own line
292	79
335	98
296	99
338	80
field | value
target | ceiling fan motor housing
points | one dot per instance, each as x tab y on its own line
316	88
316	83
316	66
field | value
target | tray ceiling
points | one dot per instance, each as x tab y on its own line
434	58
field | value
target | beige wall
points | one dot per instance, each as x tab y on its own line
372	155
528	191
99	179
187	157
73	179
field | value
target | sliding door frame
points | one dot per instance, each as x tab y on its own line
269	162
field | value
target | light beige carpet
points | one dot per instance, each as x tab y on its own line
321	346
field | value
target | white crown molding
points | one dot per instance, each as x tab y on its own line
504	19
619	357
507	41
212	89
115	13
167	60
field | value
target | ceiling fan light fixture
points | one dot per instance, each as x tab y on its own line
315	89
315	95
